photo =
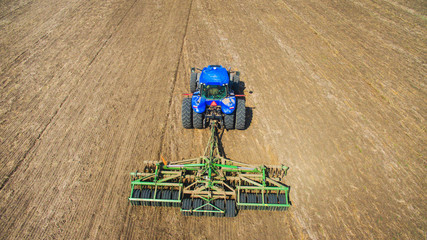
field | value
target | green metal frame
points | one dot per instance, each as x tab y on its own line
211	177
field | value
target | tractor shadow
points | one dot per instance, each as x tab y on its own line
220	146
249	116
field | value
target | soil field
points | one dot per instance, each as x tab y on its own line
90	89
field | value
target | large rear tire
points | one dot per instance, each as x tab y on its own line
240	114
187	113
193	82
197	120
229	120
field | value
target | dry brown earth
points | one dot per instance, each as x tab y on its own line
90	89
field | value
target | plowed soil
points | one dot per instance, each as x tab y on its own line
90	89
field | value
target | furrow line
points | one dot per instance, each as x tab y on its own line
32	145
174	83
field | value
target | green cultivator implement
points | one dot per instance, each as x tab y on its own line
211	185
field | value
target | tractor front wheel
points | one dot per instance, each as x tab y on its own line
236	83
197	120
193	82
229	120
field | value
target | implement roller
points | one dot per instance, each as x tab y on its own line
210	185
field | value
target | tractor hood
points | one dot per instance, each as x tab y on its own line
214	75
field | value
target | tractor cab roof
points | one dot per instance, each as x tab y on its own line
214	75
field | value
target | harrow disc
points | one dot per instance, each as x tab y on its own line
167	194
186	205
242	200
219	203
251	199
197	203
282	200
135	195
175	196
272	198
209	208
231	208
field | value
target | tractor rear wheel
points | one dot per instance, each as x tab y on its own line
193	82
240	114
229	120
197	120
186	113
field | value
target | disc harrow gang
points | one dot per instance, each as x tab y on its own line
210	185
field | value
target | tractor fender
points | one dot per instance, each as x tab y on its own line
228	105
198	103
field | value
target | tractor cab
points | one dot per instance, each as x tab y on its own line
214	81
214	92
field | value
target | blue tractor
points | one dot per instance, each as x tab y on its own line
216	96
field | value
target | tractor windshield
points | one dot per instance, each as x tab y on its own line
213	91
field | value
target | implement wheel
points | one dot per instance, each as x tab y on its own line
187	113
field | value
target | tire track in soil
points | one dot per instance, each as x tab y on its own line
51	120
22	56
126	227
15	10
18	164
174	82
351	209
36	51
